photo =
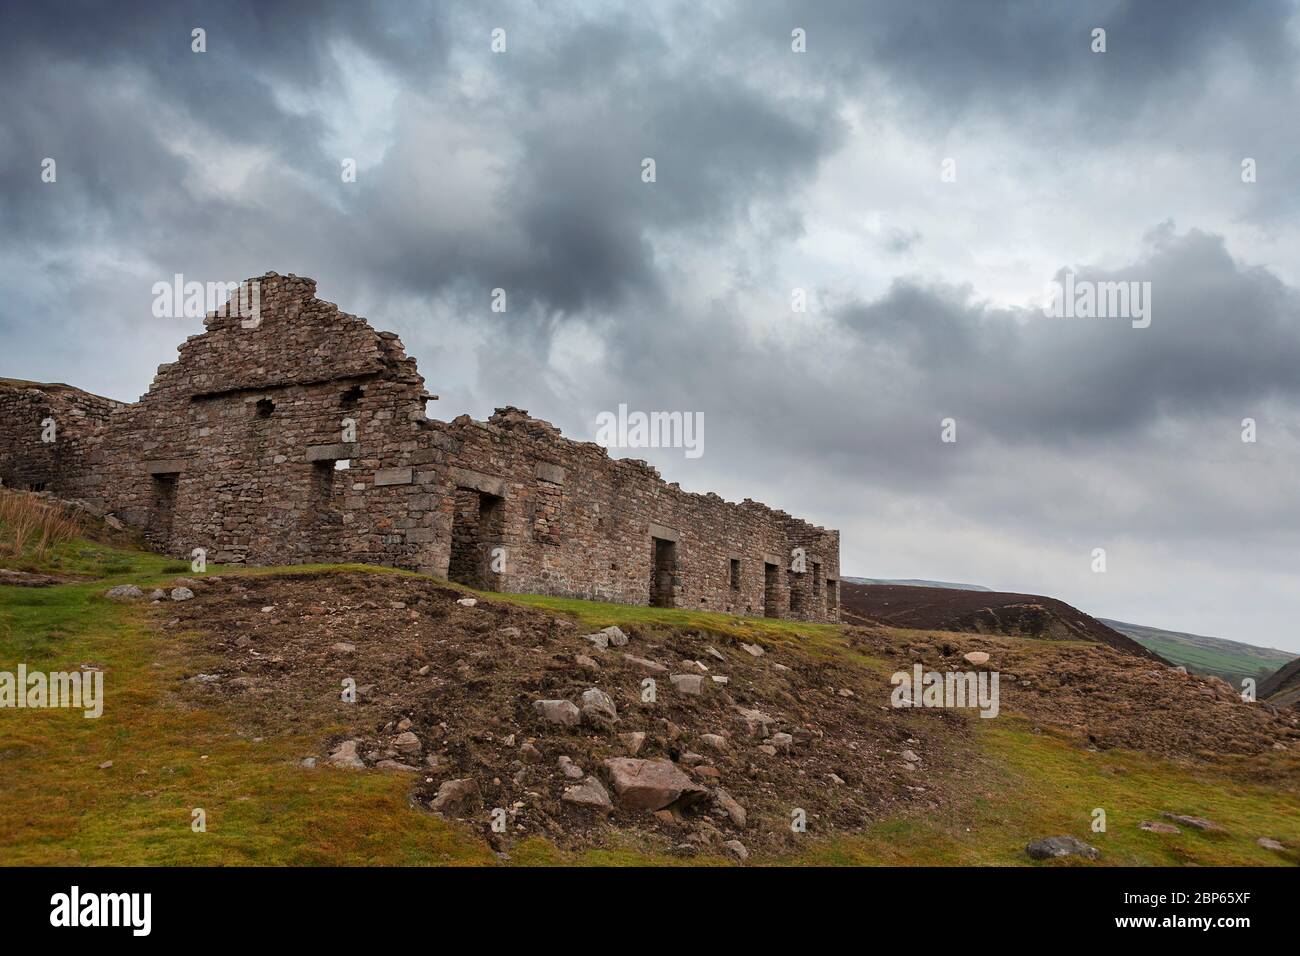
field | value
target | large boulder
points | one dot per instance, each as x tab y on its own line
651	784
124	592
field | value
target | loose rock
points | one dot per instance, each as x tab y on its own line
646	665
1196	823
615	636
728	803
345	756
651	784
589	793
1153	826
561	712
737	849
1055	847
455	797
687	683
409	744
598	708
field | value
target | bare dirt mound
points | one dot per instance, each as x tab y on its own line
448	692
980	612
1103	697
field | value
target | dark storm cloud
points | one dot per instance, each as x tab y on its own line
581	103
1022	56
101	87
1222	339
581	110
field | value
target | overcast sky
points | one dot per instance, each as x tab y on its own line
775	170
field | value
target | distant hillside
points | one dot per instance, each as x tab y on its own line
978	612
1210	656
1283	686
917	583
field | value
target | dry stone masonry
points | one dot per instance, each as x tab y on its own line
305	439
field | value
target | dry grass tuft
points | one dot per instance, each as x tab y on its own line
29	521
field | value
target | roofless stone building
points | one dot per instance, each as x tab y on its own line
304	438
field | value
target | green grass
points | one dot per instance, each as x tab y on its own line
812	640
1036	785
59	808
263	808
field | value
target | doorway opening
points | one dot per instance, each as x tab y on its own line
663	573
162	507
771	590
476	529
795	584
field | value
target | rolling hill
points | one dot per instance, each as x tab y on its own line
917	583
1211	656
980	612
1200	654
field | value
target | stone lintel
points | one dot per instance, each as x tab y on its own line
336	452
477	481
548	472
392	476
165	466
663	532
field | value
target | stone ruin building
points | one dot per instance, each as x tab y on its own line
242	447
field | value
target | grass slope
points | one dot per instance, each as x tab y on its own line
263	808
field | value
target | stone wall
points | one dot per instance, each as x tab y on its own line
302	437
27	460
